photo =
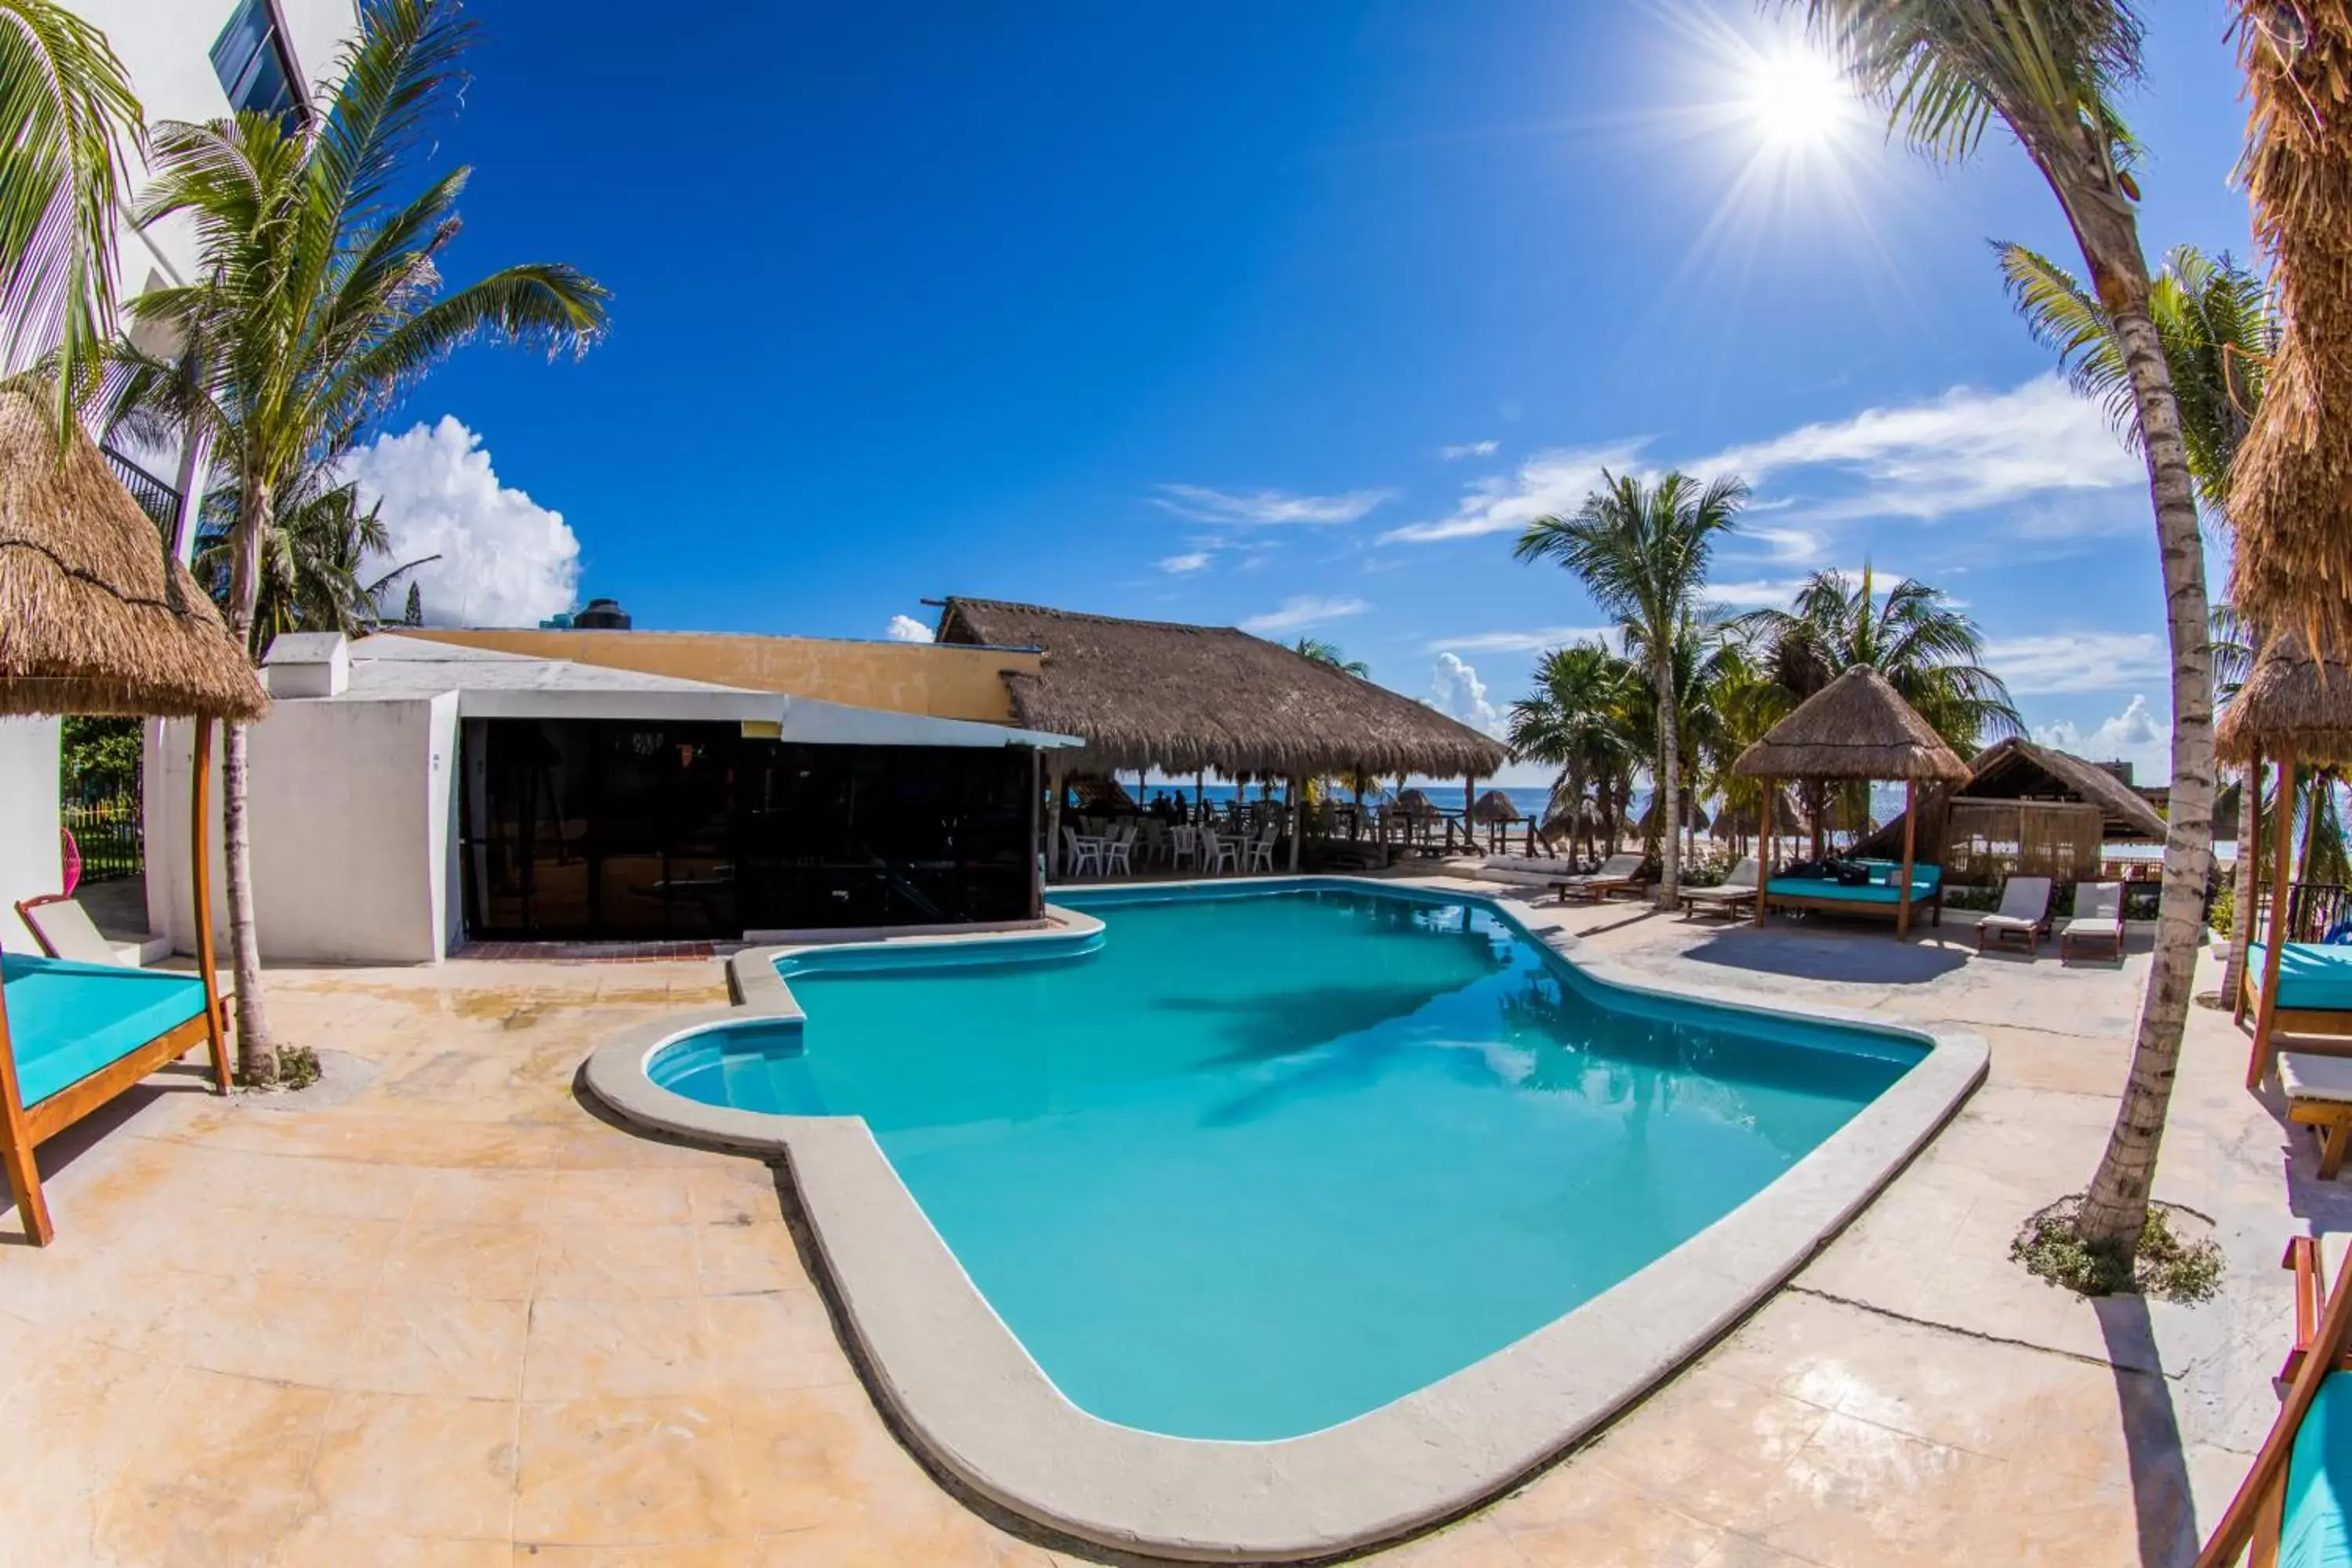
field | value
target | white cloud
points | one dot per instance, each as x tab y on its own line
1754	593
1303	611
1547	483
1792	546
2135	736
1266	506
1459	692
2079	661
907	628
1516	642
504	560
1454	454
1182	563
1964	451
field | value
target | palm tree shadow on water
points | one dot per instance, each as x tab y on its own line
2162	1504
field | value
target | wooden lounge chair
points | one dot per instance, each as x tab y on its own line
2320	1096
1617	874
74	1035
1736	889
65	930
2293	1507
2315	997
2097	923
2024	912
1880	896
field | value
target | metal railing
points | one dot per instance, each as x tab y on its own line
110	834
158	500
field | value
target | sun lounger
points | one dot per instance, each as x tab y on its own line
74	1035
1878	896
2314	996
2097	921
65	930
1617	874
2295	1506
2318	1091
1524	871
1736	889
2024	912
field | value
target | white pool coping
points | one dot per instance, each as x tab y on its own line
967	1394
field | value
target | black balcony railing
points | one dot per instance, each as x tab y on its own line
2313	910
158	500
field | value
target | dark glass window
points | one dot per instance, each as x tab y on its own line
255	68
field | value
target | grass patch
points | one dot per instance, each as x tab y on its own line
298	1067
2170	1267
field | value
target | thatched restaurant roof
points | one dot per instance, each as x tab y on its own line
1856	727
2292	699
1182	698
95	617
2018	768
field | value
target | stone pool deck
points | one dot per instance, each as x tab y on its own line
439	1311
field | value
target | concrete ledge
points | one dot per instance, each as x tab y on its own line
967	1392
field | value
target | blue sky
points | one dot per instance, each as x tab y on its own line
1279	316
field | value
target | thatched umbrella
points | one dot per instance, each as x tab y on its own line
95	617
1496	810
2294	708
2290	486
1693	818
1856	727
1413	802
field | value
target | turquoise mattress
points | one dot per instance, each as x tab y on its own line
2311	1532
1879	889
68	1020
2316	976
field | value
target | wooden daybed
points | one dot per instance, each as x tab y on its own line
1881	897
2313	996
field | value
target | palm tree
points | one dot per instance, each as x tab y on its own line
319	304
1578	720
2220	328
2049	70
66	113
1642	552
312	569
1329	653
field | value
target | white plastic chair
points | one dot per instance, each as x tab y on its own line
1118	852
1081	854
1217	852
1261	849
1183	844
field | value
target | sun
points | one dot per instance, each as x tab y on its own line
1796	99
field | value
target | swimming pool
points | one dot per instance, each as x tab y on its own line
1245	1164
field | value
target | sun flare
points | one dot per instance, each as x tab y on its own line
1796	98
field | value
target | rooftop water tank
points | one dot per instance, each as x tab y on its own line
603	616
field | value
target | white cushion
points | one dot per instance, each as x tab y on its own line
2307	1075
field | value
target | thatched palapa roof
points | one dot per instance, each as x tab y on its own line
2292	699
2290	485
95	617
1181	697
1856	727
2020	770
1493	807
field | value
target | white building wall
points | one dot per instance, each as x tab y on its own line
30	864
353	819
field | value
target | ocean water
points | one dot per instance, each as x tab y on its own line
1257	1164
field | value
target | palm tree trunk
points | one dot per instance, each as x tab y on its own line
2115	1210
1670	803
256	1055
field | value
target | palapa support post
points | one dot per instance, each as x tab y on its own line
1298	818
1054	821
1910	833
17	1139
200	781
2257	1065
2250	843
1767	845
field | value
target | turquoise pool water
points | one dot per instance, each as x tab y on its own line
1252	1165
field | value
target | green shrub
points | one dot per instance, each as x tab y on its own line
2168	1267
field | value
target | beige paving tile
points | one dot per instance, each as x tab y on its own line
1582	1514
337	1251
1472	1543
419	1466
450	1346
262	1327
627	1472
493	1262
776	1339
815	1457
623	1347
733	1191
481	1196
617	1197
615	1257
319	1541
224	1477
733	1257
